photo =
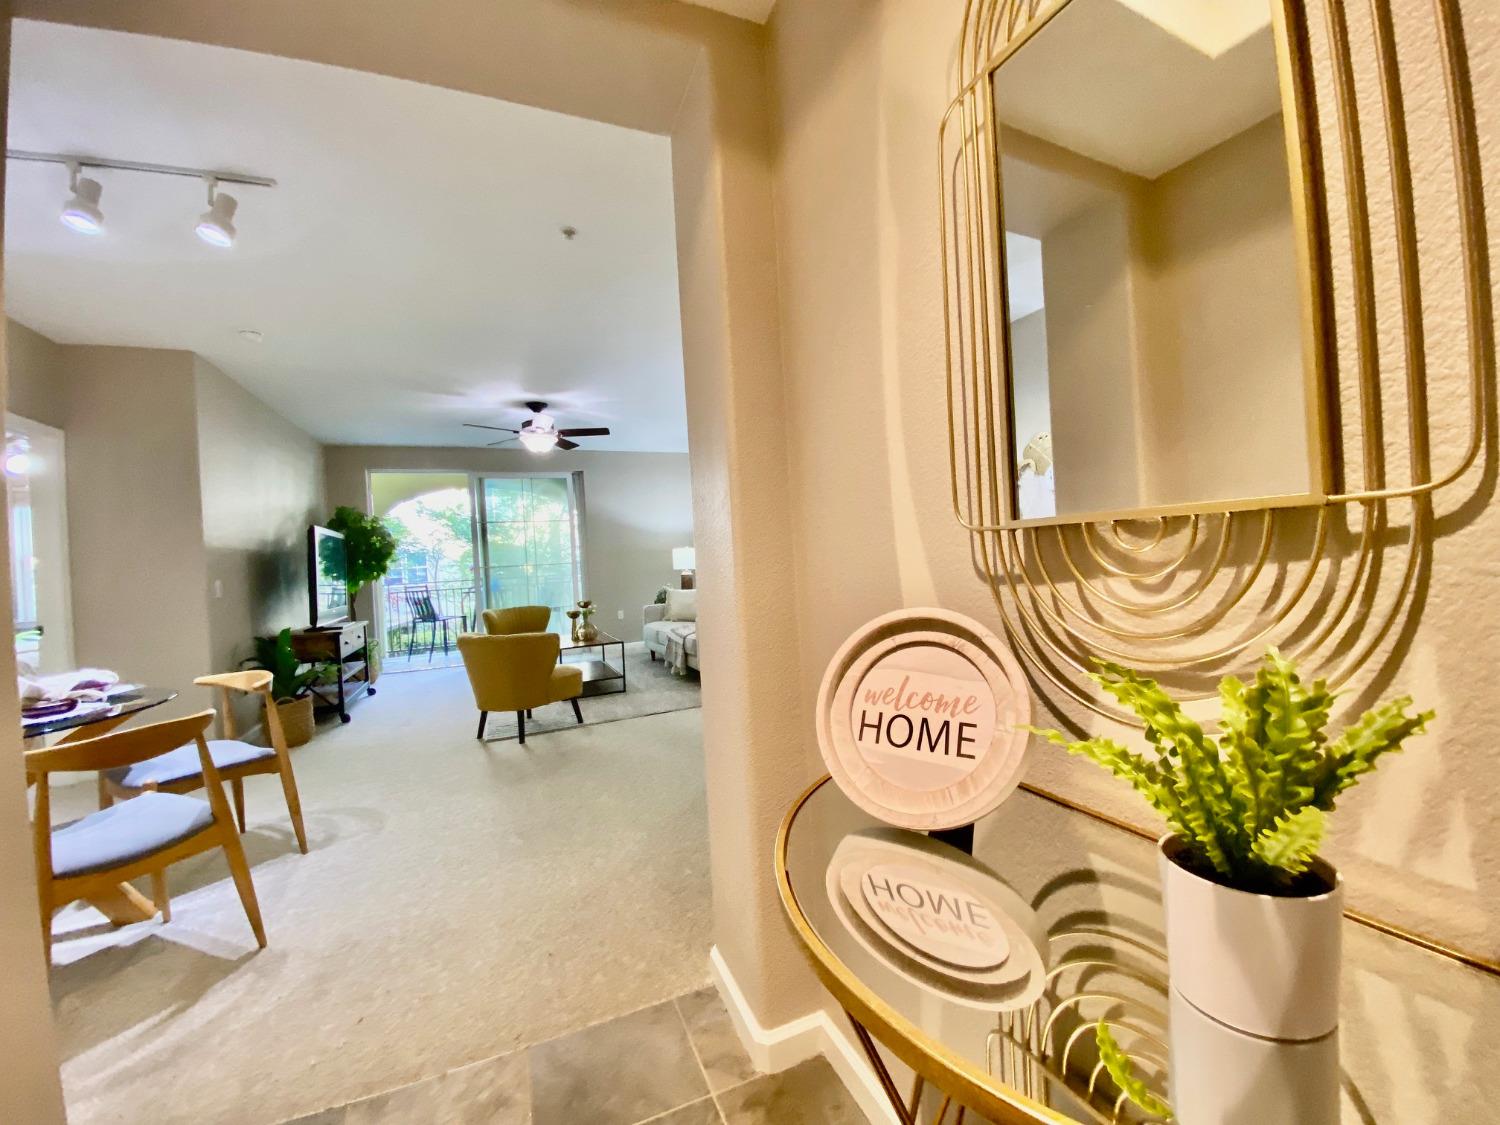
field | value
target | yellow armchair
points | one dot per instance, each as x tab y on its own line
518	672
517	619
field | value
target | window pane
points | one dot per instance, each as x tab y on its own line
551	543
549	497
506	499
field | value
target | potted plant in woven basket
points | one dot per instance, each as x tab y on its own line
290	682
1252	912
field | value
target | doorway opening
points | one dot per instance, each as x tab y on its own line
468	542
36	495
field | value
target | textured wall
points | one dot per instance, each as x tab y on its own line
860	88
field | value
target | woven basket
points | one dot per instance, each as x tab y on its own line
297	720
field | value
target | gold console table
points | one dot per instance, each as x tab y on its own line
1419	1039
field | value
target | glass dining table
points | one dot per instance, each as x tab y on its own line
113	712
1000	1024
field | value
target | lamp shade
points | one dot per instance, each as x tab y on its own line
683	559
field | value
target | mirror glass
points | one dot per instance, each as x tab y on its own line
1154	301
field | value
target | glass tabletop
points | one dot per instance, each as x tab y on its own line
118	705
1079	938
602	638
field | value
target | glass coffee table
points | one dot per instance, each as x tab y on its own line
600	668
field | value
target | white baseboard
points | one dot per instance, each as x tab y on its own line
778	1048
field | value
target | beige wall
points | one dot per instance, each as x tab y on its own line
1221	357
135	530
177	478
860	87
261	485
1092	301
35	379
637	507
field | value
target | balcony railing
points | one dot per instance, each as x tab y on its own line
404	629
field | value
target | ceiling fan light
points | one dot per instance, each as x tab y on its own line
81	212
539	441
216	225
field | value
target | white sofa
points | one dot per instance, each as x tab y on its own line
653	632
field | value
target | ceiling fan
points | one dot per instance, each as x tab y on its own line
539	433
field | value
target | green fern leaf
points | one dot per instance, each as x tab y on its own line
1292	842
1244	759
1379	731
1294	718
1190	762
1142	773
1117	1062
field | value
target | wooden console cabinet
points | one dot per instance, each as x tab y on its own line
348	647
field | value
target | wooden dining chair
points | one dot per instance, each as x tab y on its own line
94	856
180	771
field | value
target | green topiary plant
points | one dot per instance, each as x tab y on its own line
1250	805
369	546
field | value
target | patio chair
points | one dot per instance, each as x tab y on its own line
425	612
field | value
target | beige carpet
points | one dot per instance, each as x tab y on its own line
458	901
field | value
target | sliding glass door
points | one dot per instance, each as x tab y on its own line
528	540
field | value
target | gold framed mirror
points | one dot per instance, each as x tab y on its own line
1158	255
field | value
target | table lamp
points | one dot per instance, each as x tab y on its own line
684	560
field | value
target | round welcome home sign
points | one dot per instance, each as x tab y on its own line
918	719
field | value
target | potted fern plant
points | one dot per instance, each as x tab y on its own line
290	684
1253	914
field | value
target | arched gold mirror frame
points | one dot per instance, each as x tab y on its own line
1192	595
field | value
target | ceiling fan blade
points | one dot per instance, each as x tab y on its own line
502	429
598	431
504	441
564	443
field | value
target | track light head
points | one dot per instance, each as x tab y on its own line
216	225
81	212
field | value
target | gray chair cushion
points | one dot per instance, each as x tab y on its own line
183	763
128	831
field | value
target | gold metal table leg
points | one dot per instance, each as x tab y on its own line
903	1114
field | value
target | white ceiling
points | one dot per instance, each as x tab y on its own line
757	10
408	273
1142	92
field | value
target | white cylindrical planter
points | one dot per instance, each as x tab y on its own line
1219	1076
1263	964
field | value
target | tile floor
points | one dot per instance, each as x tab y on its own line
675	1063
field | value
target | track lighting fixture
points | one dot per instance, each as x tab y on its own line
216	225
81	212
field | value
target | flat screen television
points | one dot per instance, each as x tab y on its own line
327	573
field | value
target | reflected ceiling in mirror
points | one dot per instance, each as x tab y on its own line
1162	338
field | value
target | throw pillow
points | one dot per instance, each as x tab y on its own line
682	605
